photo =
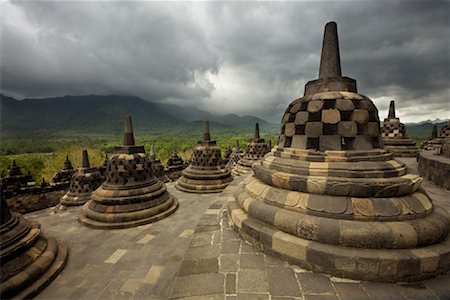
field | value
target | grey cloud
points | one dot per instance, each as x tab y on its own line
244	58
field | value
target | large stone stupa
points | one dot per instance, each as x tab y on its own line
254	152
329	199
393	136
82	184
30	260
131	195
205	173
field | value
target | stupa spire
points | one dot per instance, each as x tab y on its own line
330	61
152	151
128	139
206	134
257	131
85	160
434	133
391	110
236	146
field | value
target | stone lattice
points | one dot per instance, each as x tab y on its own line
254	152
157	167
30	260
175	165
394	138
131	195
205	173
329	199
82	184
64	175
235	156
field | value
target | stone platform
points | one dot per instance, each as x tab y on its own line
195	254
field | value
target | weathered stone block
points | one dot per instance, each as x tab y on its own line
347	128
330	142
299	141
301	117
344	104
360	116
289	130
313	129
331	116
362	142
315	105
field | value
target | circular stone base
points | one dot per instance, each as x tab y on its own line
35	277
435	168
240	170
70	199
117	224
378	264
204	180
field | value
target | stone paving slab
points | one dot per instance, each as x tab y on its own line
195	254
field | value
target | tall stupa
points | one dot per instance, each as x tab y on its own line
329	199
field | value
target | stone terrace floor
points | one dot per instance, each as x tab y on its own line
194	254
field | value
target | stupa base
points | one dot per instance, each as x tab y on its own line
282	232
126	220
35	277
241	170
72	200
202	186
401	147
435	168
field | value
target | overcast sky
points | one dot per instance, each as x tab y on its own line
227	57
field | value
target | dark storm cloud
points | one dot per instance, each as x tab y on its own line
246	58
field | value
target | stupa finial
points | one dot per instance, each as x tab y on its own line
128	139
391	114
206	134
236	146
257	131
434	133
330	61
85	160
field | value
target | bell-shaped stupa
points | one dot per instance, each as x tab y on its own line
157	167
82	184
131	195
64	175
436	142
236	155
254	152
30	260
175	165
205	173
15	179
329	199
393	136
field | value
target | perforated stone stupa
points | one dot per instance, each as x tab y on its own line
205	173
131	195
236	155
157	167
436	142
254	152
82	184
393	135
175	165
15	180
329	199
30	260
64	175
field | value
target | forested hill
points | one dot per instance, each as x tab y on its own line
105	115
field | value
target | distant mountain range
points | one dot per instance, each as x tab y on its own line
95	114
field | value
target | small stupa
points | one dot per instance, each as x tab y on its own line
436	142
235	156
15	179
205	173
157	167
254	152
226	157
329	199
64	175
30	260
131	195
82	184
175	165
394	138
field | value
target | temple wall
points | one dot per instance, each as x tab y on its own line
36	198
435	168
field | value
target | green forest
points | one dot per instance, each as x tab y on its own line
45	156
